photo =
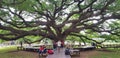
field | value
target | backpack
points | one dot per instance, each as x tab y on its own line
50	52
67	52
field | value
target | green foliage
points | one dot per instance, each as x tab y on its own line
4	31
115	6
110	37
91	34
115	24
27	5
99	4
73	38
106	36
32	38
75	16
43	8
29	28
1	41
3	13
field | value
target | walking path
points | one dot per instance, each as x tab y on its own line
60	54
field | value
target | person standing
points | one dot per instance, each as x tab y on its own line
54	45
62	44
59	45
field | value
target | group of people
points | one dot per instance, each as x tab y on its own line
44	51
56	46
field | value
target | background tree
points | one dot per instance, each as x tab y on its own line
57	19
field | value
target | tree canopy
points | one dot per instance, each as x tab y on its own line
58	19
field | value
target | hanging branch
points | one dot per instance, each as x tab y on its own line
88	38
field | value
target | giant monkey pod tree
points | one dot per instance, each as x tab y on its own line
58	19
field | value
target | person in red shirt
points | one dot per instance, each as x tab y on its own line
41	49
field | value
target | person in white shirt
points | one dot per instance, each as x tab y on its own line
59	45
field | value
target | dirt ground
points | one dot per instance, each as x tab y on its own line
84	54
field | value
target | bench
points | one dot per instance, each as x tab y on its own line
75	51
85	48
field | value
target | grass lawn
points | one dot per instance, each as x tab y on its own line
19	54
107	55
11	52
111	53
8	49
